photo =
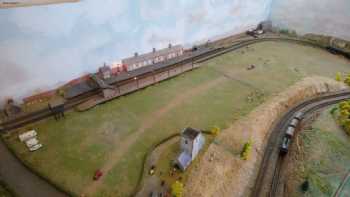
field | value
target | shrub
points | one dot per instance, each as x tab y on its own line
305	186
215	131
333	110
177	189
246	150
347	80
344	115
61	92
338	77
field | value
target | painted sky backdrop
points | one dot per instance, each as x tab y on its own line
44	46
318	16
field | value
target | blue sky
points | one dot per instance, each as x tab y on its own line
44	46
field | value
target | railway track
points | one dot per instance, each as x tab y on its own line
268	180
205	56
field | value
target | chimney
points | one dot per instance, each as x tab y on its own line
136	54
170	46
154	50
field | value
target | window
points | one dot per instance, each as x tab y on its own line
186	142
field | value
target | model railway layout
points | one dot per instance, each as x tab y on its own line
282	136
134	80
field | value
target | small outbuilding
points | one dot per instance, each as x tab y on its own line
192	141
56	106
11	109
105	72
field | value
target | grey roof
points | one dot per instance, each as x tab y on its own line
56	102
80	88
87	86
190	133
151	68
151	55
100	82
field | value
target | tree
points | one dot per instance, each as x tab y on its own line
61	92
177	189
338	77
305	186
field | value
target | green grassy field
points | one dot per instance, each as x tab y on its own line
326	150
124	129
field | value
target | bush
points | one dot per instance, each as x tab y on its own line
333	110
61	92
344	115
338	77
215	131
246	150
305	186
177	189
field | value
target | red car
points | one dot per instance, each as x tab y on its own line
97	175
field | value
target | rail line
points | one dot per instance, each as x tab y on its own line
272	162
201	57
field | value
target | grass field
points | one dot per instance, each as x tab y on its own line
115	136
326	153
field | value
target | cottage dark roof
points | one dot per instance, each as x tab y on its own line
80	88
55	102
190	133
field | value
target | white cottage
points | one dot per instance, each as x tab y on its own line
192	142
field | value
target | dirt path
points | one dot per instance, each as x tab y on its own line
146	124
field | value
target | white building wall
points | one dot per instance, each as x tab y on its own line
187	147
197	145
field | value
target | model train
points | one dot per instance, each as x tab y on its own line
290	131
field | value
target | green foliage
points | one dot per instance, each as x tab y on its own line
61	92
246	150
305	186
347	80
338	77
333	110
177	189
284	31
344	115
289	32
215	130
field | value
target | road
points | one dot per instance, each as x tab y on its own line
23	181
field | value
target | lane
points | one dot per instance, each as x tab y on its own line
23	181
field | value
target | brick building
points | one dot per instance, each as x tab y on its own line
156	56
